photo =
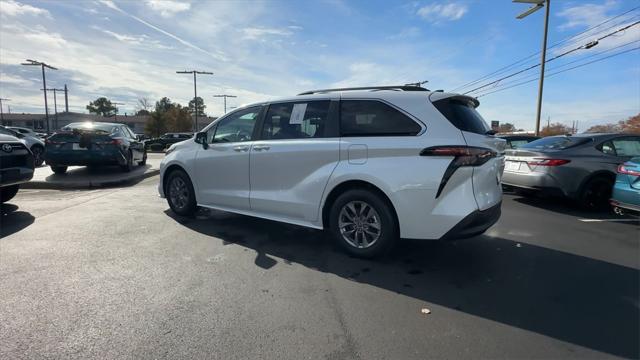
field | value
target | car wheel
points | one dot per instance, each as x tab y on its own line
128	166
37	152
144	159
363	223
180	194
59	169
596	193
8	192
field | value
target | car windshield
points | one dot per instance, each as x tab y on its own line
555	143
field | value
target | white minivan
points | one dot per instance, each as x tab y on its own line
369	165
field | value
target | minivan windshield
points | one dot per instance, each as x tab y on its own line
555	143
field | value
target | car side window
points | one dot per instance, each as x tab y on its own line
629	146
236	127
374	118
296	120
607	148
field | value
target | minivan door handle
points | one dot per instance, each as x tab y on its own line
261	147
241	148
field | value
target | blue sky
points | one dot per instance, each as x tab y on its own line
126	50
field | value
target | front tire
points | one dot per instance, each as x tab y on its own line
59	169
8	192
37	152
180	194
363	223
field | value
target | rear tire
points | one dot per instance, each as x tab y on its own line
59	169
596	193
129	165
363	223
8	192
180	194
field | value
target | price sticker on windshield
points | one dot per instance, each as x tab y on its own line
297	114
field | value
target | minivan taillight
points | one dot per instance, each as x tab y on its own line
462	156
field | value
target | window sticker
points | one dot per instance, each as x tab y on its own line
297	114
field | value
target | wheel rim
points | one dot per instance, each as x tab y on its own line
359	224
178	193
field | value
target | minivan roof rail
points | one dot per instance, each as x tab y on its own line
386	87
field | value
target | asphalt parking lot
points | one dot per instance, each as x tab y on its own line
112	273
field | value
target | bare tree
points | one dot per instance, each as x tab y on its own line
143	106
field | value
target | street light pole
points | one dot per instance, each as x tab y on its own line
115	114
1	112
538	4
225	96
55	105
44	86
195	92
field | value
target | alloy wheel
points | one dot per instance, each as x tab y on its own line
178	193
359	224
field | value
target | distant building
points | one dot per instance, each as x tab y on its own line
38	123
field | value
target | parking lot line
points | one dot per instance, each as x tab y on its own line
609	220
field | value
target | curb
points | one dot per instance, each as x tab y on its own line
90	184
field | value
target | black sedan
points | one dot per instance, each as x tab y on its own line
92	144
164	141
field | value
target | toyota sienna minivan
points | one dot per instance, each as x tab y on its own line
369	165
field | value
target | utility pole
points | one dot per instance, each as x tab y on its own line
55	104
225	96
115	114
44	86
1	113
66	99
537	5
195	92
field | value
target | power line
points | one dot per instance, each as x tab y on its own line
585	46
561	71
507	67
567	63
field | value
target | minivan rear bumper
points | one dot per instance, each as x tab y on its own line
475	223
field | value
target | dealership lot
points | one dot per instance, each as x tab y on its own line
112	273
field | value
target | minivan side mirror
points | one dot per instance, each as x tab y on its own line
201	138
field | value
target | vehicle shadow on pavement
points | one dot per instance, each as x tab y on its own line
12	220
571	298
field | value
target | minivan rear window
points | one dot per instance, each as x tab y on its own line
556	143
462	114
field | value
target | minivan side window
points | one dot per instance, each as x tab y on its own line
296	120
236	127
462	114
629	146
374	118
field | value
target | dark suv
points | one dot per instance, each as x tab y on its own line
164	141
16	166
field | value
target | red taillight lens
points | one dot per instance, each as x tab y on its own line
112	142
50	142
464	155
547	162
622	169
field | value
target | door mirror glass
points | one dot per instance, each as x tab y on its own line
201	138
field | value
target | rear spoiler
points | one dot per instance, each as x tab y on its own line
437	96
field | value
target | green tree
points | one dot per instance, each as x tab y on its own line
178	119
102	106
200	106
156	124
164	105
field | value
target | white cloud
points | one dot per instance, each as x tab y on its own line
442	12
252	33
168	8
14	8
15	80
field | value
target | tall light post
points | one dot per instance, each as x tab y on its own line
1	111
44	86
537	5
225	96
195	92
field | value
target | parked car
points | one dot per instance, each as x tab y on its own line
367	164
93	144
16	166
516	141
26	131
580	167
143	137
33	143
164	141
626	191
